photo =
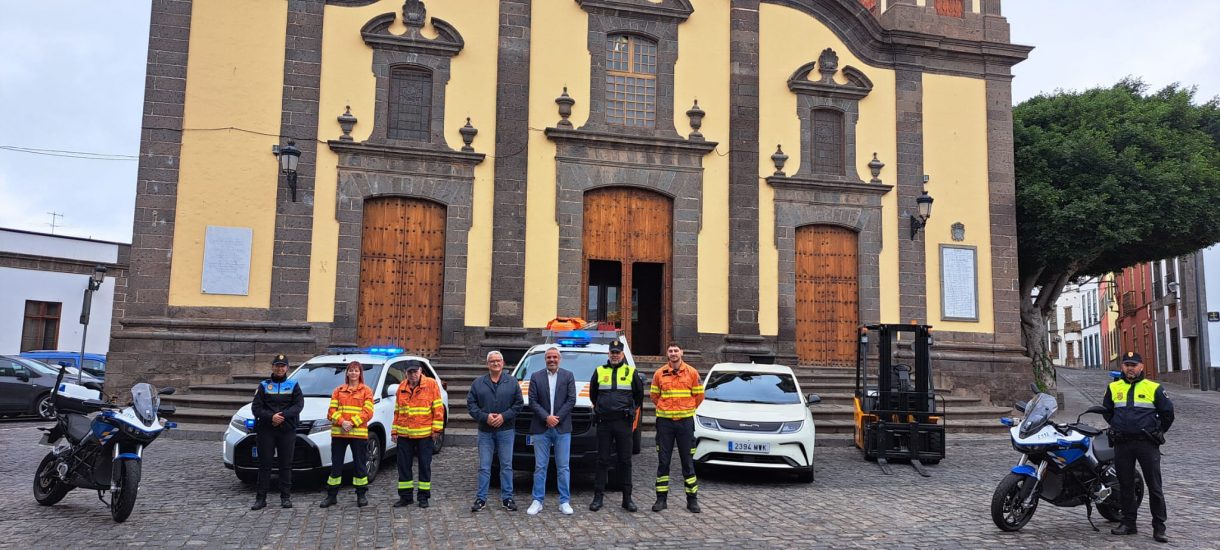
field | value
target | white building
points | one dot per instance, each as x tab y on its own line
1075	327
1207	263
43	279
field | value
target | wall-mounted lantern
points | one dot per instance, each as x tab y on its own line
923	208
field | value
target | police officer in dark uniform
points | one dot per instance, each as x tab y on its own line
616	391
1139	414
277	408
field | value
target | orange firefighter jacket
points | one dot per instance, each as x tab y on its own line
676	394
355	405
419	411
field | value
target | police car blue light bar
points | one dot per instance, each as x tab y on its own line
573	342
385	351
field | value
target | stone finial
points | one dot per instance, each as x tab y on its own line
828	65
346	123
468	132
565	103
413	13
696	121
779	158
875	167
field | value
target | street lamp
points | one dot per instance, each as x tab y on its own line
95	282
289	156
923	206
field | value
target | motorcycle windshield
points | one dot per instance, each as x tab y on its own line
1038	413
144	401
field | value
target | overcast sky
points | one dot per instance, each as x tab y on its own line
72	79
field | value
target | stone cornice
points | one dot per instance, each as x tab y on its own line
405	152
679	10
376	33
620	141
830	183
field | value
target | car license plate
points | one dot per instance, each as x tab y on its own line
529	441
743	447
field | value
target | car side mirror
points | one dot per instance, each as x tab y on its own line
391	390
812	399
166	391
24	377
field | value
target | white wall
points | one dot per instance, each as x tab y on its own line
19	285
53	246
1211	273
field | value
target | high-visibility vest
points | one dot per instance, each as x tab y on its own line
355	405
614	389
419	411
676	395
1134	407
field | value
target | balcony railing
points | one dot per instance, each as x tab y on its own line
1071	326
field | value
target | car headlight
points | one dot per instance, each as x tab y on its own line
791	427
706	422
239	423
319	426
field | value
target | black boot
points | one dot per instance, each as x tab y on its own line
361	499
692	503
423	498
404	499
597	502
662	502
1123	530
285	501
260	502
627	504
330	500
1158	534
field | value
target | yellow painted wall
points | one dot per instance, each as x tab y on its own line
228	177
347	79
559	56
790	39
955	159
702	72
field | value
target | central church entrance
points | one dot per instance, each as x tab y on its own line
627	264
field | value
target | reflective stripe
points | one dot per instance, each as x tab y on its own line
334	481
425	486
360	433
360	481
438	425
676	415
1143	405
1120	403
696	390
654	389
406	485
662	479
676	393
692	480
663	488
692	490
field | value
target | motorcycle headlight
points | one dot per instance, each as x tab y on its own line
791	427
319	426
241	424
706	422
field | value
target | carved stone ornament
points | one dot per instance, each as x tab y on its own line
696	120
828	65
448	41
875	167
958	231
779	158
565	103
413	13
468	132
857	86
346	122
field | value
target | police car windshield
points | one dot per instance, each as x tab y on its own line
580	363
752	387
321	379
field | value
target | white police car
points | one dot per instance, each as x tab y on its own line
384	369
580	352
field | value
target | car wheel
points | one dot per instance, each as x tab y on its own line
45	409
374	455
805	475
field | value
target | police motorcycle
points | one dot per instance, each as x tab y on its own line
1063	464
101	451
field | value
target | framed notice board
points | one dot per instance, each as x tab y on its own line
959	283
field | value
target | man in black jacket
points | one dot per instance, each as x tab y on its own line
1139	414
277	408
616	391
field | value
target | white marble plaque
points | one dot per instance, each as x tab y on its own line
958	284
226	260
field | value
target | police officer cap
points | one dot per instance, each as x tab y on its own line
279	359
1131	358
616	345
413	366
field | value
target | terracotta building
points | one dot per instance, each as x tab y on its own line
740	176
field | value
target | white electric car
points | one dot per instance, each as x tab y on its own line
754	416
384	369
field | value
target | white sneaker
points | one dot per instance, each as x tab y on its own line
566	509
534	508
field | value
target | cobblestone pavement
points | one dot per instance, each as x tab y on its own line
188	499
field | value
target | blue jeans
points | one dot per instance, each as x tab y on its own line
542	458
501	444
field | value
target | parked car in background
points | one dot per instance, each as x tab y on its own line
384	370
25	387
754	416
94	363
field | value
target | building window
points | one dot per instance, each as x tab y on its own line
631	81
41	328
410	104
828	142
951	8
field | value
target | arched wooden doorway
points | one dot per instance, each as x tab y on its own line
402	274
628	236
827	295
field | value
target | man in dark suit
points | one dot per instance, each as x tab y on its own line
552	395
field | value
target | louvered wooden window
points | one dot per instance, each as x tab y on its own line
41	327
827	142
951	8
631	81
410	109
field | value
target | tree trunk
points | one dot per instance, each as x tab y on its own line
1034	335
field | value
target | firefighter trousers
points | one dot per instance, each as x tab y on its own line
408	450
682	433
360	460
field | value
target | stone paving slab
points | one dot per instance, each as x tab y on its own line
189	500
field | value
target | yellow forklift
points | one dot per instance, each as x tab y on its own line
898	418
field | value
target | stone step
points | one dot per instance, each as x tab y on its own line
209	400
226	389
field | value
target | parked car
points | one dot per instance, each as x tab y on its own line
94	363
581	355
754	416
384	369
25	387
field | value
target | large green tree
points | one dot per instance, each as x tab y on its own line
1108	178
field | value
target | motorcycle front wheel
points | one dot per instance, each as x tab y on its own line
1006	509
48	489
124	499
